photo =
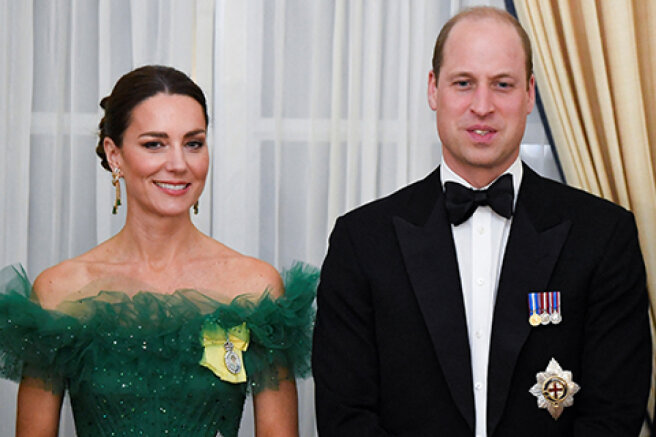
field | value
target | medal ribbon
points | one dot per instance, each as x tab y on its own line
532	303
213	339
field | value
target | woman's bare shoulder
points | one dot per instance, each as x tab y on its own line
242	274
260	276
60	281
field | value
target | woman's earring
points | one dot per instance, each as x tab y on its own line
196	208
116	181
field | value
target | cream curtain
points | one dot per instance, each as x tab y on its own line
15	115
596	66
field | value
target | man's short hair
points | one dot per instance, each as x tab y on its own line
480	12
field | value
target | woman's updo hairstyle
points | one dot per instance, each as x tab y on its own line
132	89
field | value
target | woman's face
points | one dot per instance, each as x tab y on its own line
164	157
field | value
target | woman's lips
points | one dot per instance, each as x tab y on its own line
173	188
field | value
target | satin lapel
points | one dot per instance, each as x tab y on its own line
430	260
534	244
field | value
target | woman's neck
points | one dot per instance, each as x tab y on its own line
157	241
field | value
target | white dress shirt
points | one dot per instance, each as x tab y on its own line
480	245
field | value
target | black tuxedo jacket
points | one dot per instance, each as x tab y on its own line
391	353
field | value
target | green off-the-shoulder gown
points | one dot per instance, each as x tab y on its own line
132	364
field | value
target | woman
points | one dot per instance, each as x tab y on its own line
159	330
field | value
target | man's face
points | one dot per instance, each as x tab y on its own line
481	98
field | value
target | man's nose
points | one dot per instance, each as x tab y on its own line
482	103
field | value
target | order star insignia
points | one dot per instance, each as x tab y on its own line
555	389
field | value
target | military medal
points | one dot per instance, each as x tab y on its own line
534	318
554	389
554	301
231	359
544	309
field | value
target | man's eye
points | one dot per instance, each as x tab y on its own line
504	85
462	83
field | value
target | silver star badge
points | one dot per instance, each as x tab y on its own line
555	389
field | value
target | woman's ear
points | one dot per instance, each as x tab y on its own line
113	153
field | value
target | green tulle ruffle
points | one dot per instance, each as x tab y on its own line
147	346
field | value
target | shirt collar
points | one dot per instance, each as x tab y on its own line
515	169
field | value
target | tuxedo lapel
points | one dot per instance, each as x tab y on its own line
536	238
430	260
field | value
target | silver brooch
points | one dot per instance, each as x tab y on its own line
231	359
554	389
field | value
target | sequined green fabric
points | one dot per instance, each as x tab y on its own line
131	364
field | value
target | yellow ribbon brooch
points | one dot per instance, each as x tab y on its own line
223	355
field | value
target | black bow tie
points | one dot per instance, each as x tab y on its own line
461	202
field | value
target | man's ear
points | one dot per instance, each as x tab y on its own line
531	94
113	153
432	90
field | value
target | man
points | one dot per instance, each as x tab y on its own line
518	311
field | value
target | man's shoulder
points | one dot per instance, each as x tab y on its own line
412	202
577	204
